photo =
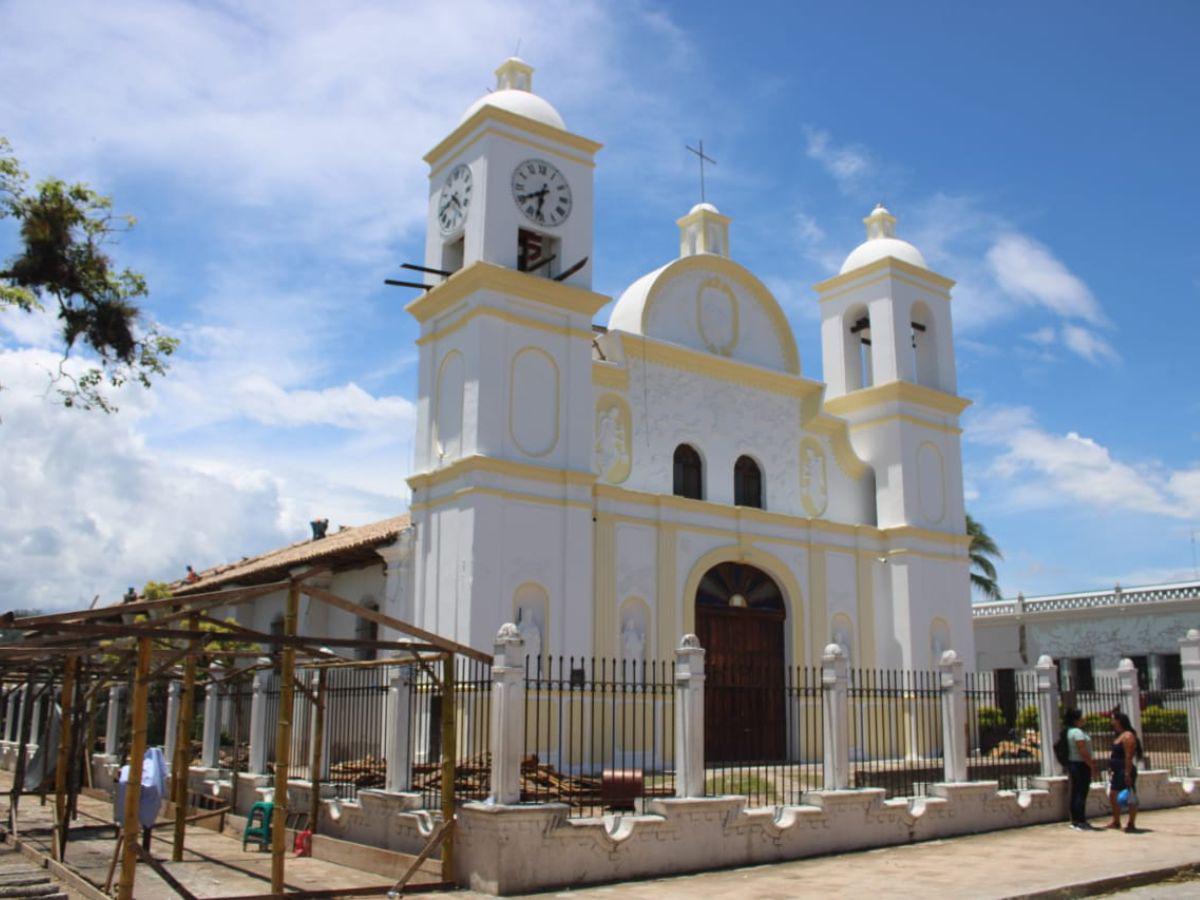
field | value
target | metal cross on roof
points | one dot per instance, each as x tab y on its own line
702	160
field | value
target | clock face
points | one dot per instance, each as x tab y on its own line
453	199
541	192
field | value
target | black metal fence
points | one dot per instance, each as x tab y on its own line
1097	705
1165	718
1003	738
895	731
763	733
471	724
599	733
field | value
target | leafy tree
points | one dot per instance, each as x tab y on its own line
982	551
64	229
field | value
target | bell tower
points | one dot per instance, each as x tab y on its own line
502	474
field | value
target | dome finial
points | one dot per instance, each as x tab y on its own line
514	74
880	223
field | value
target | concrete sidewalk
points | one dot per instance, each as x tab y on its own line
1041	860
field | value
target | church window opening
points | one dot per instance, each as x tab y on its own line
366	630
747	483
689	473
537	253
452	254
861	371
924	349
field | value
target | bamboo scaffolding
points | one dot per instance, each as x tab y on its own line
62	763
283	742
133	788
318	749
183	742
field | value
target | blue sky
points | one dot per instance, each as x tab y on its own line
1043	155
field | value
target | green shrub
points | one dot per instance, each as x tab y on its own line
1097	723
990	717
1156	720
1027	718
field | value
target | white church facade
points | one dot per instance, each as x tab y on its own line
611	487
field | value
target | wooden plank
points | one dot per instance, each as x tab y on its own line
283	743
449	758
90	630
381	619
432	844
133	789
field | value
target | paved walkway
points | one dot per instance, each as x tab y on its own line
1012	863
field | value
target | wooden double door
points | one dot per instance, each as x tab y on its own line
745	686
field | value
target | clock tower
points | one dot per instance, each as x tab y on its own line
501	490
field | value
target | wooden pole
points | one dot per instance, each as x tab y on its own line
89	743
62	763
449	754
23	729
137	753
318	749
183	752
283	741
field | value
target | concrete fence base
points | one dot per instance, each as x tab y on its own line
516	849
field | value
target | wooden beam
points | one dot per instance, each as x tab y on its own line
435	839
183	753
381	619
283	742
133	789
449	757
62	763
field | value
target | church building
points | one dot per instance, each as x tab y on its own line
612	486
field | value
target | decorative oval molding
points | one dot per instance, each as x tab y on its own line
612	451
717	316
931	483
533	390
814	477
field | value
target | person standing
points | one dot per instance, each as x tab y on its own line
1081	767
1125	750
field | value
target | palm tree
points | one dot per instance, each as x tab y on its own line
983	571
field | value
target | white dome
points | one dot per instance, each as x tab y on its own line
523	103
878	248
707	207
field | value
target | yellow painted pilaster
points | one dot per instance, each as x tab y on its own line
604	575
818	603
665	601
866	609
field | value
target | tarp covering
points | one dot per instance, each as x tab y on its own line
154	789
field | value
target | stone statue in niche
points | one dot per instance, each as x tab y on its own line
633	640
814	491
531	634
939	645
841	637
612	443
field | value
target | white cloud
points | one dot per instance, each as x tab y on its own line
1035	468
849	164
1088	344
345	406
1028	271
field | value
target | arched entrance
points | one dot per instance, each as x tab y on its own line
740	617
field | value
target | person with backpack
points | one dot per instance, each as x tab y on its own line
1073	750
1125	749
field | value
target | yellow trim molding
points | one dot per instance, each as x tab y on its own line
610	375
470	465
705	262
501	493
838	433
905	417
506	316
889	265
557	136
485	276
897	392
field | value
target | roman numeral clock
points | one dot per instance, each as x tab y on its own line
541	192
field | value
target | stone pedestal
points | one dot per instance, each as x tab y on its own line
689	718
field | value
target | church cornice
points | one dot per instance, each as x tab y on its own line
888	267
485	276
470	465
464	135
897	392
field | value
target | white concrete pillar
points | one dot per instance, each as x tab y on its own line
508	714
35	723
398	727
1131	693
954	717
11	719
174	691
689	717
257	764
112	723
1047	707
1189	658
211	736
835	684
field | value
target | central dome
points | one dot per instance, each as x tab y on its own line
881	243
514	94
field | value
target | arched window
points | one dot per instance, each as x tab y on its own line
689	473
366	630
924	346
747	483
860	371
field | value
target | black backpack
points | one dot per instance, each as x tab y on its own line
1062	749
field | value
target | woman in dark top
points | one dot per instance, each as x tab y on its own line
1125	749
